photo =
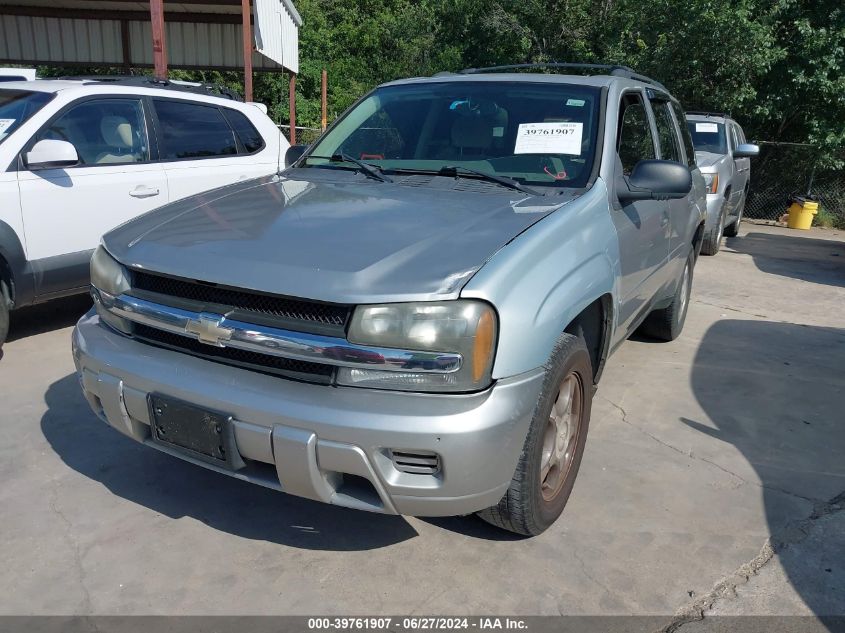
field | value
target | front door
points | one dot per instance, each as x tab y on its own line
66	211
642	226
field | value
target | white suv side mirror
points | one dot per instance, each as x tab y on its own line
52	154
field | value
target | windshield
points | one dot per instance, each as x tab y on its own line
708	136
535	134
16	106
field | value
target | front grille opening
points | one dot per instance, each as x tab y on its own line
328	315
416	462
286	367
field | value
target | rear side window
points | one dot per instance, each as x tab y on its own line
686	137
667	137
249	137
192	130
634	140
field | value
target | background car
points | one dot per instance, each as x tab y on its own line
724	158
79	157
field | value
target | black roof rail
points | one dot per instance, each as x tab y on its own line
614	70
145	81
725	115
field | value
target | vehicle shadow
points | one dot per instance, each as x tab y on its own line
812	259
45	317
176	489
776	392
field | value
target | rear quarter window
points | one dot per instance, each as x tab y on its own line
250	138
193	130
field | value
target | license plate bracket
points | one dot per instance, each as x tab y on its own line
201	433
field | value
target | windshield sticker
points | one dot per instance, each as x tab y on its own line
578	103
5	124
712	128
549	138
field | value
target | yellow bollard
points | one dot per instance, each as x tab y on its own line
801	213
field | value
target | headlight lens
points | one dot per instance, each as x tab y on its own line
711	182
465	327
108	279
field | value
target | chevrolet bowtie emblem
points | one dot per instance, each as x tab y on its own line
208	329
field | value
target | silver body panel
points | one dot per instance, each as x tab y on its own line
336	236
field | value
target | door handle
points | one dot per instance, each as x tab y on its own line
142	191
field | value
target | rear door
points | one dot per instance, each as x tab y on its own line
66	211
642	226
205	146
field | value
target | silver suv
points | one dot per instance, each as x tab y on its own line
412	317
724	158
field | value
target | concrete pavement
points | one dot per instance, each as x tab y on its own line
706	486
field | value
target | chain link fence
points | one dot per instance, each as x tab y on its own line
784	170
304	135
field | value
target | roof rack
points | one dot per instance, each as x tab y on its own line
614	70
145	81
725	115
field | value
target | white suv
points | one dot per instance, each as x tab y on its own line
79	157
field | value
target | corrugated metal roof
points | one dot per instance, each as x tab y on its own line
89	32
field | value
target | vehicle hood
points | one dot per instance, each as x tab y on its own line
709	162
333	236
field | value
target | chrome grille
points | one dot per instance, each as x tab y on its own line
289	368
306	313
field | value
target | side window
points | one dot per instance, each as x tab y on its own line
686	137
667	137
192	130
103	131
634	141
734	136
249	137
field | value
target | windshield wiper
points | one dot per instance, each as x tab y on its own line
372	171
510	183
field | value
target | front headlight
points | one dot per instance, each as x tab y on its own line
711	182
465	327
108	279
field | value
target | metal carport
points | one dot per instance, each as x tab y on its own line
189	34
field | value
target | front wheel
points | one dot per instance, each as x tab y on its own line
4	312
552	452
667	323
733	229
712	239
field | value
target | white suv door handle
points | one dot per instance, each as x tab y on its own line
142	191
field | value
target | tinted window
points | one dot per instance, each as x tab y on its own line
16	106
667	137
735	136
634	141
534	133
708	136
103	131
685	135
247	134
191	130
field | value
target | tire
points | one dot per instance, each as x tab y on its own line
733	229
531	503
4	313
711	241
667	323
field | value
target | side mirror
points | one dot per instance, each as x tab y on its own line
746	150
293	154
655	180
52	154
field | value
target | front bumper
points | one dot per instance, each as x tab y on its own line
331	444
